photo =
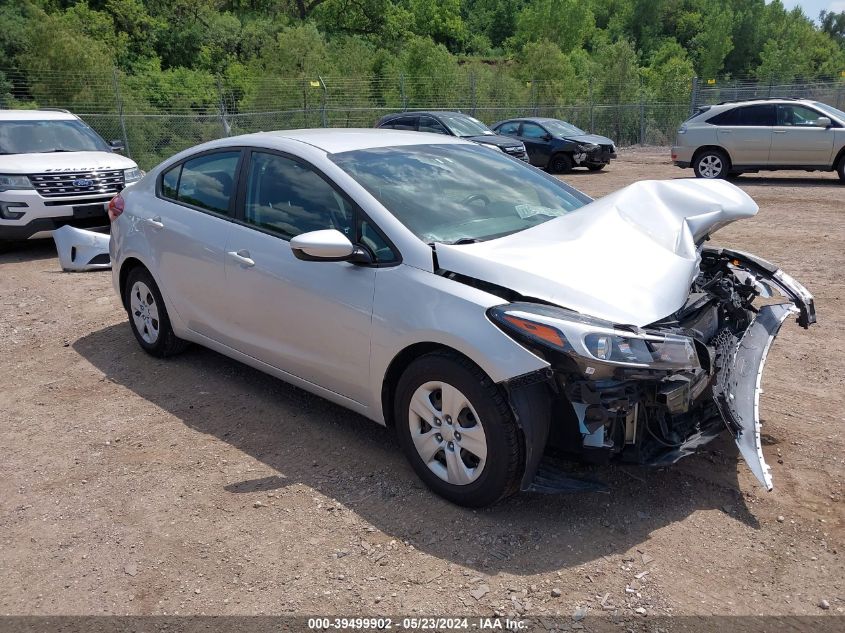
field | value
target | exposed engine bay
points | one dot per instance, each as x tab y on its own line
653	403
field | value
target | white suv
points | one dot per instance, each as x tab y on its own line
54	171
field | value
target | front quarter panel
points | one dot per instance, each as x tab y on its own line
414	306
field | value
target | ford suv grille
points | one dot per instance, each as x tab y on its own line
67	183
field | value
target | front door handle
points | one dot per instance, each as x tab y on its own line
155	222
242	257
780	131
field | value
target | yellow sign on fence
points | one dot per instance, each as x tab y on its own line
711	82
315	84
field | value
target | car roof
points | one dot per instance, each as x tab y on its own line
36	115
429	112
334	140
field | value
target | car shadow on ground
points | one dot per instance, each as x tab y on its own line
752	180
28	251
357	463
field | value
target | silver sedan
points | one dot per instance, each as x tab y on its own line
491	314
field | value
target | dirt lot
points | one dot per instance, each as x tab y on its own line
198	485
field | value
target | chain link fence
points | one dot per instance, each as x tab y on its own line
159	115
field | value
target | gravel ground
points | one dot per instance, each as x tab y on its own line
200	486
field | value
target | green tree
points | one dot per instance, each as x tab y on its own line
567	23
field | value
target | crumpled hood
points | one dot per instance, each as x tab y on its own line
589	138
63	161
629	257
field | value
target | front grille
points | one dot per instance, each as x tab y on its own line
74	201
68	183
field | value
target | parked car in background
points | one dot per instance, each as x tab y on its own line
730	138
487	311
558	146
54	171
453	124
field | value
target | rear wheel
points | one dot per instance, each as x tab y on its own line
458	431
148	315
841	169
560	164
710	164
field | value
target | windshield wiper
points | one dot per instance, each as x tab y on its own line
465	240
53	151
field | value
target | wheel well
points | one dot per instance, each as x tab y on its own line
128	266
839	158
398	366
705	148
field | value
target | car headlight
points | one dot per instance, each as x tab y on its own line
588	147
14	181
132	175
595	339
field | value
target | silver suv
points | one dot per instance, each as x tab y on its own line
727	139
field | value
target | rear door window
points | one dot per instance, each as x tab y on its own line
206	182
757	115
402	123
509	129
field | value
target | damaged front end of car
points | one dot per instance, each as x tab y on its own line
654	394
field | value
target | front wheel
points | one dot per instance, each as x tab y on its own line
841	169
560	164
457	430
711	164
148	315
596	166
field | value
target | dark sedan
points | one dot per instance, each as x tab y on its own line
453	124
558	146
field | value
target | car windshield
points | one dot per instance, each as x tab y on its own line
29	137
839	114
463	125
562	128
459	193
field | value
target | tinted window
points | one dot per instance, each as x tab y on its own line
448	193
532	130
402	123
761	115
170	181
208	181
289	198
509	129
797	115
430	124
729	117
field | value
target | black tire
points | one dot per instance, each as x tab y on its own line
166	342
560	164
711	164
733	175
505	461
596	166
841	169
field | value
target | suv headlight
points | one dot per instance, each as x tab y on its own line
14	181
132	175
595	339
588	147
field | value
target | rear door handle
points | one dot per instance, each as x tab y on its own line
242	257
780	131
155	222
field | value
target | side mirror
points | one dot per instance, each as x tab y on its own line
117	146
547	136
824	121
329	245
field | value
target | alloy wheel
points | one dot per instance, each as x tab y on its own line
447	433
710	166
144	312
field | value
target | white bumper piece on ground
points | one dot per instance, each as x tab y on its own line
82	250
